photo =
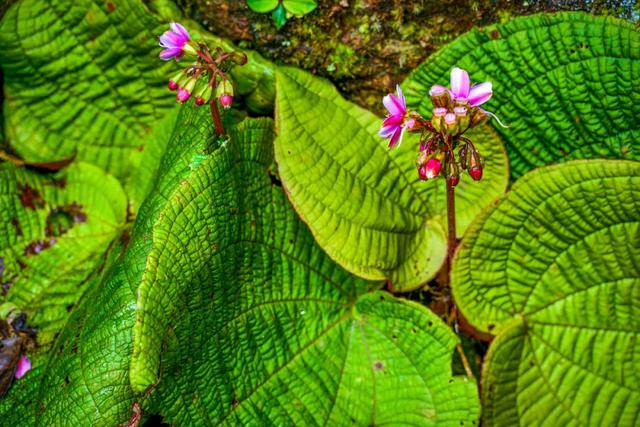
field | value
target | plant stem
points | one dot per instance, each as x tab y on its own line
215	115
451	225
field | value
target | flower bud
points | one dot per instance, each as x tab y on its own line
182	95
475	166
431	169
224	88
462	155
172	85
451	124
462	116
479	116
439	96
453	177
462	102
437	119
199	101
475	172
226	100
204	91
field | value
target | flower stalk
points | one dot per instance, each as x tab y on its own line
201	77
455	111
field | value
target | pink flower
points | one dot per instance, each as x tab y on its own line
24	365
461	88
174	42
397	120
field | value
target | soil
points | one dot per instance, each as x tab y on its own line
366	46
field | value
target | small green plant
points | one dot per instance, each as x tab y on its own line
282	9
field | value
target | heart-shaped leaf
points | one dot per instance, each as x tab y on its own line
554	271
263	326
364	203
563	83
57	228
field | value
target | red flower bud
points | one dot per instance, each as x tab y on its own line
172	85
199	101
431	169
475	172
454	180
226	100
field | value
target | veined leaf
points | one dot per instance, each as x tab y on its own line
563	83
82	76
554	271
56	230
364	203
243	319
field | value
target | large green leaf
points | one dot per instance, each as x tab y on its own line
563	83
56	229
244	320
554	270
82	76
84	379
365	204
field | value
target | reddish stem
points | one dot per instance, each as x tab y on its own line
215	115
451	223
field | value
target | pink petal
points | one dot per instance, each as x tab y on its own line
170	40
387	131
479	94
460	83
396	138
167	54
400	97
24	365
180	30
392	121
392	104
437	90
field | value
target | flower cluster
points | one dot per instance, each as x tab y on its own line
455	110
204	74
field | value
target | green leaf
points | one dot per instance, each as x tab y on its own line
248	321
262	6
299	7
57	228
364	203
279	16
553	270
83	76
563	83
84	379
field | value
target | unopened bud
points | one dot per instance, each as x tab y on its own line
224	88
453	180
431	169
440	97
479	116
462	102
438	117
463	117
226	100
475	172
172	85
182	95
199	101
453	173
451	123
